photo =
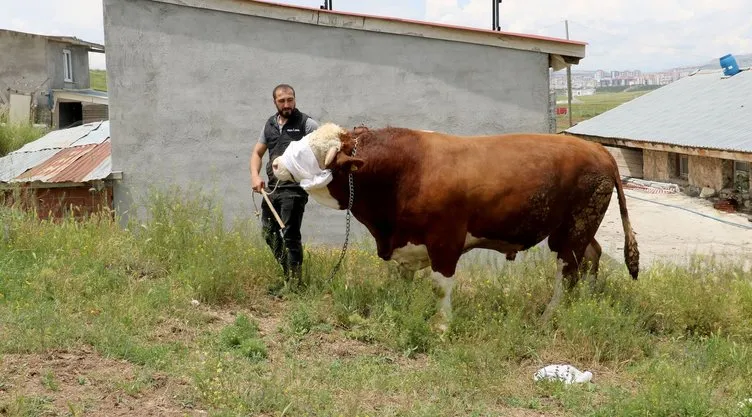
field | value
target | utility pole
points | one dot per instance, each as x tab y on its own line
569	81
495	25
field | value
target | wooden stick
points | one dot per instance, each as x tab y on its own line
279	220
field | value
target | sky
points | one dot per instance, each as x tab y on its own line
647	35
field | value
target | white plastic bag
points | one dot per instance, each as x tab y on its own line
566	373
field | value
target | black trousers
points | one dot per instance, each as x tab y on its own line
290	205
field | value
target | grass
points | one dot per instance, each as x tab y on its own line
98	80
676	342
586	107
14	136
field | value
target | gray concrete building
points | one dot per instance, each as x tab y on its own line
36	67
190	87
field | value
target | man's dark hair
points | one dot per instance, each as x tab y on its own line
282	87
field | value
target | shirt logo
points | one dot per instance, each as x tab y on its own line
293	130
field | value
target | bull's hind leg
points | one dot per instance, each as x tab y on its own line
402	272
574	242
591	260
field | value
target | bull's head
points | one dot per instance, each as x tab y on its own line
318	158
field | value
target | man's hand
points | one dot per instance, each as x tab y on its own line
257	183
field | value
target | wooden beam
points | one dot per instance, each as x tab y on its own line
38	184
83	98
653	146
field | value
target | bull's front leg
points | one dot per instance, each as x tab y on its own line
445	285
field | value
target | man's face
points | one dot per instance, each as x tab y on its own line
285	102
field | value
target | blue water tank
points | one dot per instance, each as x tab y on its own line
729	65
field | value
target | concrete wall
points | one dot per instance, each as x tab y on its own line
190	90
23	66
655	165
55	65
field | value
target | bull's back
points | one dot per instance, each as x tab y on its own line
524	159
520	184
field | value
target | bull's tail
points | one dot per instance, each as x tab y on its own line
631	253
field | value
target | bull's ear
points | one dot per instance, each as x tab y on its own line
330	154
350	164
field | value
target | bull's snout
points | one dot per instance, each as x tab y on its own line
280	170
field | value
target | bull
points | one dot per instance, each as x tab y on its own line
429	197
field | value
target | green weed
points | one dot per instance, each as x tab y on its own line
14	136
242	336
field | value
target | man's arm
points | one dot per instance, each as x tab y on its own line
258	153
310	125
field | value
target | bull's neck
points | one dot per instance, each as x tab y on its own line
377	185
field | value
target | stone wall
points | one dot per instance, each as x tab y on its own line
655	165
707	172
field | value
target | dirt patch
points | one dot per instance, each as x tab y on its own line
82	382
338	345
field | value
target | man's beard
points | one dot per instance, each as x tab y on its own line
285	112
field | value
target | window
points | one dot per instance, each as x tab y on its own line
684	166
681	166
67	66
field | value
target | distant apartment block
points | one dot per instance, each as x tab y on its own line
586	80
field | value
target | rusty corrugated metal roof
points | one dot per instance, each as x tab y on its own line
86	164
76	155
16	163
102	171
69	165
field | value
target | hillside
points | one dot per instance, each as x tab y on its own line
744	60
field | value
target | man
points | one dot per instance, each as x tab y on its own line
288	198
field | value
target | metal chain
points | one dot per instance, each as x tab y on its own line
347	218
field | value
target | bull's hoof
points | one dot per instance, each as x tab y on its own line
439	325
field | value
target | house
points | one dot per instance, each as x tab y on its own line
695	132
67	171
45	79
192	92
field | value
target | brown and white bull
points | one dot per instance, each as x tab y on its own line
428	197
